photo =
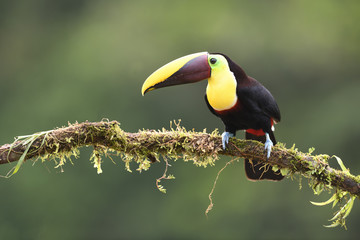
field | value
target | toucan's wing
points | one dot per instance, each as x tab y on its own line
257	97
253	93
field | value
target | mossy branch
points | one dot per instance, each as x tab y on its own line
202	148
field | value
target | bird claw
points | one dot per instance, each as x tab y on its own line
225	138
268	145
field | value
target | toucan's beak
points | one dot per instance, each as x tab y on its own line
188	69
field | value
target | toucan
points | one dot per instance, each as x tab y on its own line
240	101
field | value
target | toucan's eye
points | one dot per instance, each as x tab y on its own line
213	60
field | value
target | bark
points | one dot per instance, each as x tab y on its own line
200	147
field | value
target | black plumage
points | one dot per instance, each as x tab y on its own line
255	109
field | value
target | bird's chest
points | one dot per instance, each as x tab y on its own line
221	92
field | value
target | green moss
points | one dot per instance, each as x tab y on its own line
202	149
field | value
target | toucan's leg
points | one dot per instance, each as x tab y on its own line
225	138
268	145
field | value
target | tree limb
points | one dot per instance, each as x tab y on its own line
147	146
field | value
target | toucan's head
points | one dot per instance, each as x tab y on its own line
188	69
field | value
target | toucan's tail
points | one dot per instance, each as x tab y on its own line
257	170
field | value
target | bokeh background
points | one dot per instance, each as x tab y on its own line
68	60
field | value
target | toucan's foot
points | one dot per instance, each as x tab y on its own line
268	145
225	138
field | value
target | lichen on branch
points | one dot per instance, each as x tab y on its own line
202	148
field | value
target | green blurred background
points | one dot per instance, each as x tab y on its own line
66	61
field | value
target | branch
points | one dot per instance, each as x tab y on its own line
147	146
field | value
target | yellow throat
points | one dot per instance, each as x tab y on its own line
221	88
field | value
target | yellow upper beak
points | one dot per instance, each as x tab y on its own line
187	69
